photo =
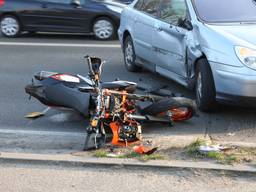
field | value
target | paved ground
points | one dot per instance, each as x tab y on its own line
22	57
58	179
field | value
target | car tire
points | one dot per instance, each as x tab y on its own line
205	88
129	55
104	29
10	26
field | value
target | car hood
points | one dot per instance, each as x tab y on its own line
242	34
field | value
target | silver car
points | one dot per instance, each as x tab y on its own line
206	45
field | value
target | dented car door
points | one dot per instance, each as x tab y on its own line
169	39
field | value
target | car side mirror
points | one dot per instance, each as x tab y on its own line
185	23
76	3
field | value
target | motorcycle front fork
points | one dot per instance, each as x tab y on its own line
95	136
94	140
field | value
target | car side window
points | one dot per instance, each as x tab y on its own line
138	4
57	1
148	6
172	11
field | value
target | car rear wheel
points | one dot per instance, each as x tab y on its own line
205	88
104	29
129	55
10	26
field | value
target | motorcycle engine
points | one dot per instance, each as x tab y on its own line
130	132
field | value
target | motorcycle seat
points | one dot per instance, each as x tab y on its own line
120	85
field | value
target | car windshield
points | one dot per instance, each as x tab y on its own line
215	11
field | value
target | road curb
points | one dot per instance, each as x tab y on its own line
69	160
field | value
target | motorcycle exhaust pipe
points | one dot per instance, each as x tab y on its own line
149	118
137	117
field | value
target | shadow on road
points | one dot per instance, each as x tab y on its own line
58	36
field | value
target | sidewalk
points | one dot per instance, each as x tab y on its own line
57	148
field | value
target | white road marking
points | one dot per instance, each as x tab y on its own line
61	45
42	133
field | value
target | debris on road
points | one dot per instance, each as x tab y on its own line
212	148
35	115
129	152
231	134
140	149
201	149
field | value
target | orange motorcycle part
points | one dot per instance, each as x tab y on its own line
140	149
94	123
107	115
181	114
115	128
115	140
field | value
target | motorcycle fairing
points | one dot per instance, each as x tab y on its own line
57	93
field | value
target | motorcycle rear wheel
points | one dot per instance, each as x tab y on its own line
181	108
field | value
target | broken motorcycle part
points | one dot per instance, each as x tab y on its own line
113	107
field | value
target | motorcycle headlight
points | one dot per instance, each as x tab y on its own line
247	56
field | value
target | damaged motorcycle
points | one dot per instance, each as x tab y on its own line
113	107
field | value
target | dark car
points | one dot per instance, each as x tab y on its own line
69	16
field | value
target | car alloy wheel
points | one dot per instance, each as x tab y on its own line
10	26
129	54
103	29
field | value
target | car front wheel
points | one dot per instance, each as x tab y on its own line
104	29
205	88
10	26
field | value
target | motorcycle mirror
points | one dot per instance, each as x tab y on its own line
89	62
95	65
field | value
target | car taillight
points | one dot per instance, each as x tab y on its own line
1	3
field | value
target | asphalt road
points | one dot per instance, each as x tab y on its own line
20	58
